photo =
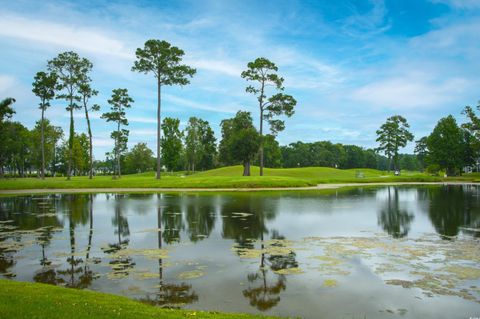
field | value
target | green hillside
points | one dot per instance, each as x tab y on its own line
229	177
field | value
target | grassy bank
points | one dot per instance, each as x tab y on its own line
31	300
230	177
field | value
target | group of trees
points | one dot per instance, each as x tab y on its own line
67	78
449	147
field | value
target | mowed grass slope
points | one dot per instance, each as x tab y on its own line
230	177
318	175
32	300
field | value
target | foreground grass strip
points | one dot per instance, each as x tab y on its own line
31	300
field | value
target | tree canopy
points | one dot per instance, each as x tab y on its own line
392	136
263	73
164	61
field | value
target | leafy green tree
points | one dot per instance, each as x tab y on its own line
200	148
272	153
17	141
72	70
393	135
118	103
263	72
44	141
44	87
139	159
6	112
171	143
80	154
163	60
193	144
225	156
473	127
409	162
209	146
241	140
446	145
421	150
86	93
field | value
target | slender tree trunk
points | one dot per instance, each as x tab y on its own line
90	234
160	261
159	121
90	174
261	143
70	142
42	173
246	168
261	128
117	150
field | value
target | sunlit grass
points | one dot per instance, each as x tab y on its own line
31	300
231	177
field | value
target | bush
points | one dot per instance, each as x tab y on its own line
433	169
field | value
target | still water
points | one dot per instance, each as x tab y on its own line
406	252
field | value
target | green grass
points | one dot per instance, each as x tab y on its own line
32	300
230	177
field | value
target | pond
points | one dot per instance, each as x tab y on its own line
407	252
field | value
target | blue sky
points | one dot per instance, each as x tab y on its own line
349	64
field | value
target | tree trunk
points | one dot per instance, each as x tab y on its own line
117	151
42	173
261	129
261	144
246	168
90	234
90	174
159	123
70	143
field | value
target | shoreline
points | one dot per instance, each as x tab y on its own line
243	189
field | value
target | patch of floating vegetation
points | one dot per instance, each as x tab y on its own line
330	283
289	271
152	254
434	265
274	247
192	274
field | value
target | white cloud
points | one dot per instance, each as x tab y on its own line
451	40
143	132
411	92
102	142
228	68
61	35
7	83
460	4
195	105
141	119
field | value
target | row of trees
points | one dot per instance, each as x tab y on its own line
449	147
67	77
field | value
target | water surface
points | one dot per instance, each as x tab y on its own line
405	252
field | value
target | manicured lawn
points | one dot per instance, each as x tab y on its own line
31	300
230	177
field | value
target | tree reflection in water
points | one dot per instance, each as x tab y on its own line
120	264
169	295
245	220
80	210
452	207
392	217
26	215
